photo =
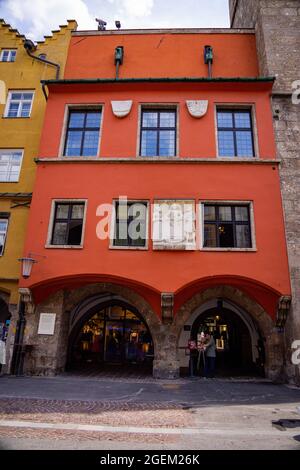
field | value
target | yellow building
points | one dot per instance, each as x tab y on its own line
22	106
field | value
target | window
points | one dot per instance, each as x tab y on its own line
3	232
130	228
8	55
227	226
158	133
19	104
10	165
235	133
83	130
68	223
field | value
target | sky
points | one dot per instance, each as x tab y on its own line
36	18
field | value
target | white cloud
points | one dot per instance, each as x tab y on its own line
34	18
138	8
42	16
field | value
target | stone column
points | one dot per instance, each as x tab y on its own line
48	354
166	362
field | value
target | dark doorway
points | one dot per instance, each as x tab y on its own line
234	356
115	338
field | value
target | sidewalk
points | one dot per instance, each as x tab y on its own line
70	412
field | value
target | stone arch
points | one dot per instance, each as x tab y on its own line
76	297
50	353
82	296
272	339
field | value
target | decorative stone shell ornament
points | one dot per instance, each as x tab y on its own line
197	108
121	108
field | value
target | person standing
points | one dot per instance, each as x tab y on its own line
210	356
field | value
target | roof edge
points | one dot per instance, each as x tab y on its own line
70	81
117	32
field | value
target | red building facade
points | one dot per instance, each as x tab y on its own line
157	211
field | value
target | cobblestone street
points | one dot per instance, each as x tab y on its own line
69	412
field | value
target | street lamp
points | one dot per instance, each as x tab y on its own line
27	264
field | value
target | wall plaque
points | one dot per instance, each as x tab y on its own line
47	324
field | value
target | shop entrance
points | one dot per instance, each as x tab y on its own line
238	353
114	338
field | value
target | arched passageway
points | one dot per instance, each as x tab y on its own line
253	345
238	342
108	334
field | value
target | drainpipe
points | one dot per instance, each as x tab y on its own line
44	90
30	47
18	354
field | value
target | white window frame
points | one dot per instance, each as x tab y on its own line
2	219
235	107
10	100
175	106
220	202
51	223
75	107
10	152
10	51
113	226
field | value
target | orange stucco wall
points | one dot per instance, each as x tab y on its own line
197	137
162	271
262	274
162	55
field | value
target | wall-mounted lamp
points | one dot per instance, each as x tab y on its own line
119	56
27	264
208	58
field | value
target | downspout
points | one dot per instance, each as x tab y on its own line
29	46
18	354
44	90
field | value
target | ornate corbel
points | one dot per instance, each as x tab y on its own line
283	308
167	304
26	297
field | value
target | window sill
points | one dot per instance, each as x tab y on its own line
237	158
253	250
68	247
136	248
13	182
174	248
16	117
81	157
158	157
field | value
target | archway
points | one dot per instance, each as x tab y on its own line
260	326
108	334
238	342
